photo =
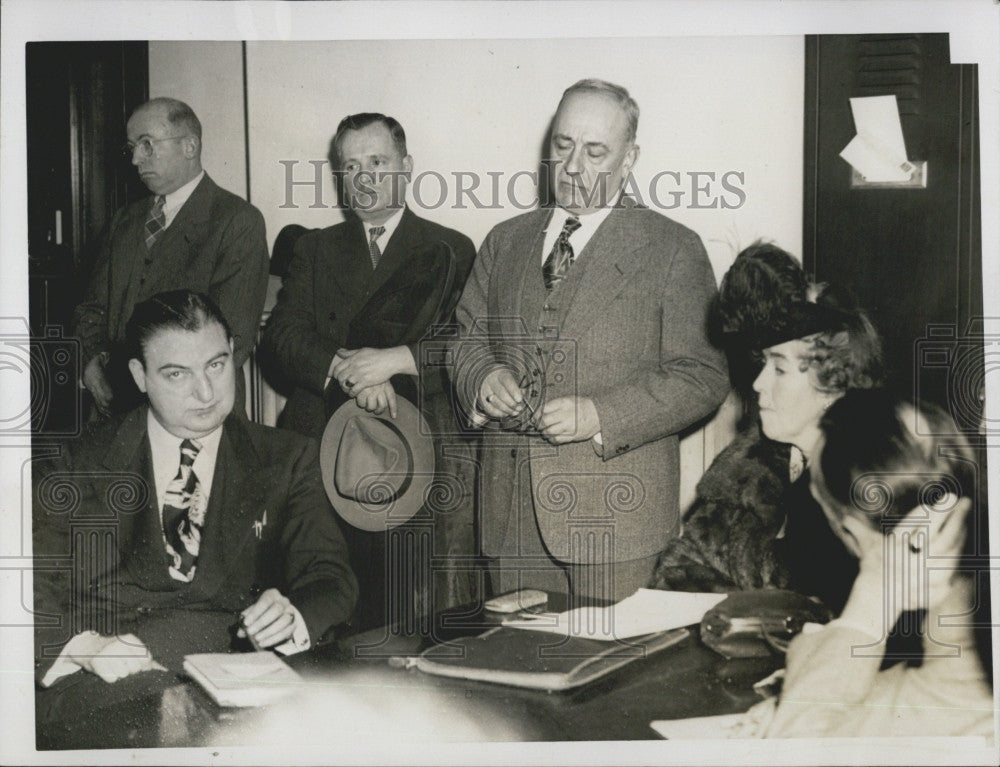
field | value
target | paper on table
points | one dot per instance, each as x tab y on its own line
699	727
645	612
878	151
753	723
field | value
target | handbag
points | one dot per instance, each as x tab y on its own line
758	624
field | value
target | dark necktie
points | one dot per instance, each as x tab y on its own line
373	250
183	516
156	222
561	256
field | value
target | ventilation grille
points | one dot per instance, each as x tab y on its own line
890	65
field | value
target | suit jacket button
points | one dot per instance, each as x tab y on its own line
144	610
333	316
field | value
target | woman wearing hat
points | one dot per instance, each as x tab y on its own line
754	523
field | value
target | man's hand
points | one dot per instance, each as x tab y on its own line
917	557
269	621
357	369
375	399
500	396
568	419
97	384
115	657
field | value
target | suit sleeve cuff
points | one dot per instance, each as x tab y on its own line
299	641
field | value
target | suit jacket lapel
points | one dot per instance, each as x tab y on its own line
528	265
403	240
238	491
140	540
185	228
606	264
353	270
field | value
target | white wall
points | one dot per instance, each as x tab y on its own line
707	105
209	77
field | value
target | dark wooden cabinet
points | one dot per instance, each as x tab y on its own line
913	256
78	98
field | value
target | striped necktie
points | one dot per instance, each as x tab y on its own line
373	250
184	516
561	255
156	222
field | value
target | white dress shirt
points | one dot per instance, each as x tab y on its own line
579	239
173	201
390	227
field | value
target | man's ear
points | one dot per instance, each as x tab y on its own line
192	146
631	158
138	372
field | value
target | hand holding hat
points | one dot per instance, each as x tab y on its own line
376	469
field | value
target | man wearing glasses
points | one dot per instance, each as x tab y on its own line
189	234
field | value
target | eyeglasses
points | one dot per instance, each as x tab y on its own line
145	146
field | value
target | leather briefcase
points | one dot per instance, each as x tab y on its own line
758	624
539	660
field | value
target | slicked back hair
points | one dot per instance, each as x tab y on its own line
173	309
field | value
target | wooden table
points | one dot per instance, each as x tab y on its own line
359	689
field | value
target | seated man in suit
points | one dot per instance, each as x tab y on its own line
197	530
357	299
189	234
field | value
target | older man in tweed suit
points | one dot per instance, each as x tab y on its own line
583	351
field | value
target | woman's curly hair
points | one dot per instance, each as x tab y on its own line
848	355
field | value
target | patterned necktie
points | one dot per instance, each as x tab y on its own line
373	250
156	222
561	256
183	516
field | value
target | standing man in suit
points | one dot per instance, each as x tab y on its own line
357	299
583	349
189	234
215	533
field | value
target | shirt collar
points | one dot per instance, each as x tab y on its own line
165	451
588	221
589	224
173	201
390	227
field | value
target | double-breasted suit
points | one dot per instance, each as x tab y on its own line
332	299
329	284
626	327
100	552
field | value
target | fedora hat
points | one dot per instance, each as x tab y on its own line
376	469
